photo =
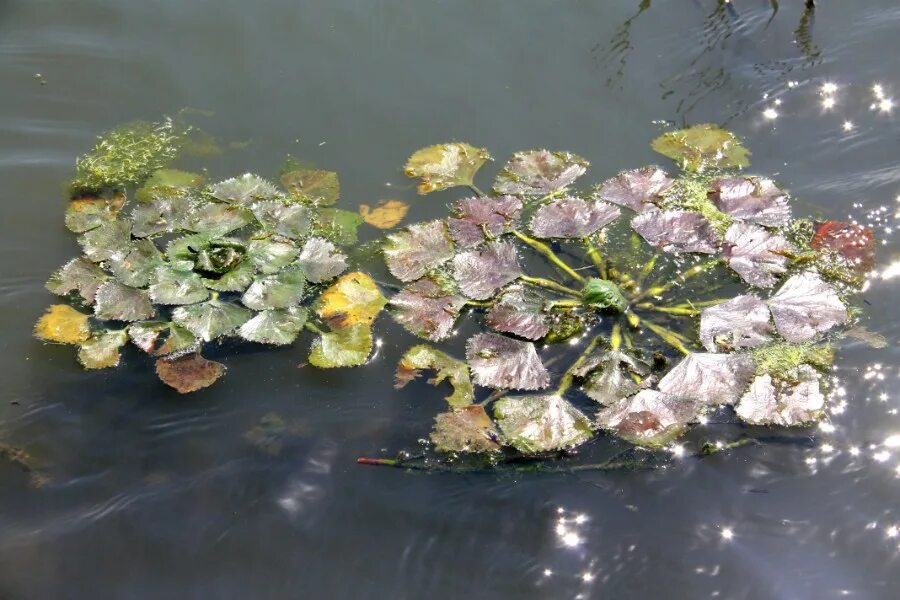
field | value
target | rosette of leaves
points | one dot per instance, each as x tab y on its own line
685	290
185	264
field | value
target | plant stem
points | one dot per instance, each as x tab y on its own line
615	338
648	268
550	285
479	304
313	328
677	279
680	311
565	304
550	254
569	376
594	254
668	336
475	189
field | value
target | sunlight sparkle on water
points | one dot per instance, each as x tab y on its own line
848	126
770	114
727	534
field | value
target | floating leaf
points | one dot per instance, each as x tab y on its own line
387	214
160	215
279	327
63	324
853	243
754	199
650	418
534	424
322	187
101	351
521	312
79	274
480	273
703	146
804	306
174	286
339	226
501	362
603	294
445	165
90	212
539	172
565	325
291	220
612	376
168	183
446	367
238	279
755	254
786	403
637	189
742	322
676	231
353	299
427	309
216	218
271	254
189	373
162	338
117	302
413	252
137	265
282	290
110	240
571	217
244	190
321	261
870	338
479	217
211	319
709	378
347	347
467	429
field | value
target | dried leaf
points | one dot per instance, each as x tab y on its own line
755	254
244	190
709	378
637	189
480	273
539	172
570	217
117	302
534	424
785	403
354	299
521	312
742	322
78	275
63	324
387	214
445	165
754	199
281	290
189	373
321	261
501	362
853	243
805	306
101	351
478	218
291	220
175	286
467	429
611	376
703	146
347	347
90	212
321	187
413	252
427	309
650	418
446	368
211	319
676	231
279	327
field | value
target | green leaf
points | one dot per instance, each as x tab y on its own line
90	212
351	300
79	274
172	286
703	146
339	226
320	260
160	215
348	347
467	429
212	319
117	302
447	369
237	279
279	326
137	266
216	218
168	183
282	290
244	190
287	219
162	338
102	349
110	240
321	187
603	294
271	254
445	165
534	424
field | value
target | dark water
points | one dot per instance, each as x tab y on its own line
153	495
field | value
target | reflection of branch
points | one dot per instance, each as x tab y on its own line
620	45
803	35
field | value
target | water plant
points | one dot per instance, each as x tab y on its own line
682	293
173	263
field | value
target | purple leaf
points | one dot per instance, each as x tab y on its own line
480	273
533	424
804	306
418	249
520	312
637	189
754	199
608	376
676	231
709	378
427	309
742	322
501	362
476	216
769	402
539	172
755	254
571	217
650	417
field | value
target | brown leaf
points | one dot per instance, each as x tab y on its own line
387	214
189	373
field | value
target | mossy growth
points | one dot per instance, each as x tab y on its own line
780	359
690	191
800	233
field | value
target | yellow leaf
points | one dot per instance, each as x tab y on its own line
353	299
63	324
387	214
